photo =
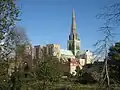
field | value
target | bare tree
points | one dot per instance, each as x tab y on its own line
102	50
111	16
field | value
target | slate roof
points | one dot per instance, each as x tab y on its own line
80	53
66	52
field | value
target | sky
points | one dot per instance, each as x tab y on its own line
49	21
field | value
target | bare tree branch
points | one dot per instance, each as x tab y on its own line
102	51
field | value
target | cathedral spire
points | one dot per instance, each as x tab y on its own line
73	26
73	34
73	42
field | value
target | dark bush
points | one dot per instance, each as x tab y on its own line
87	78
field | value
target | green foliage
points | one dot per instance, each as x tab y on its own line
84	77
20	78
114	72
14	39
114	52
3	68
114	63
48	70
78	72
9	13
43	76
22	73
3	75
20	52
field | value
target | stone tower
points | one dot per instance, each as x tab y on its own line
73	42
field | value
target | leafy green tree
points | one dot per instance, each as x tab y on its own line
48	71
9	13
21	69
114	63
3	75
45	74
114	52
15	38
15	44
21	62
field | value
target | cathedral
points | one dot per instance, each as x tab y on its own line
70	58
73	54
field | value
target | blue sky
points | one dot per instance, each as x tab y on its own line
49	21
